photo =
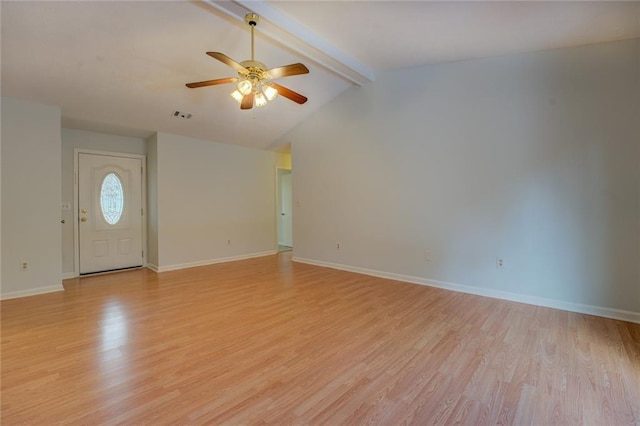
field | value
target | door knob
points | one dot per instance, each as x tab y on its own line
84	210
83	219
63	221
281	214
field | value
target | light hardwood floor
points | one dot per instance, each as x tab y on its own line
268	341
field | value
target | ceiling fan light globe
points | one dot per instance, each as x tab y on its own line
270	92
260	99
245	87
237	96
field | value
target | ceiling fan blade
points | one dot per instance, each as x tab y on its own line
228	61
212	82
289	94
287	70
247	101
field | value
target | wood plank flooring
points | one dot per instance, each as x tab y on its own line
267	341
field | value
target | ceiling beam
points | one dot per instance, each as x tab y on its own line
280	28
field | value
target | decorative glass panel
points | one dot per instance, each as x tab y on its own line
111	199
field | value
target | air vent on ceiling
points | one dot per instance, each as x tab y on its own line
180	114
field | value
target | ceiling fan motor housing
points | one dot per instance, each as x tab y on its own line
253	64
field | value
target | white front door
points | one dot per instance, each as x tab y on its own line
110	216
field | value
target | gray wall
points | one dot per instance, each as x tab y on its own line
152	200
533	158
208	194
31	229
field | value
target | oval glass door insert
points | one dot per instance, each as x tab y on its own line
111	199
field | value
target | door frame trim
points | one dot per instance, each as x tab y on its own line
76	228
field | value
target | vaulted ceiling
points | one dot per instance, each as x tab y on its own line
120	67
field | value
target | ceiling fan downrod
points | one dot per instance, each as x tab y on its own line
252	19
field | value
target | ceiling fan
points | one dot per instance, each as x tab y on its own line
252	85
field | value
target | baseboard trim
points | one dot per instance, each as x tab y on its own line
600	311
176	267
69	275
151	266
32	292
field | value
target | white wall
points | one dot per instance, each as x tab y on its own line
531	157
80	139
208	194
31	158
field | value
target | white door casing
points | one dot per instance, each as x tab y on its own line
105	246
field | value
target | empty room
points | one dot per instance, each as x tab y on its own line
320	212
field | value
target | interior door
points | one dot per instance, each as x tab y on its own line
110	216
286	219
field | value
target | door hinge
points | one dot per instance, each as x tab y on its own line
141	212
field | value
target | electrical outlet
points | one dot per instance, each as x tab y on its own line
337	246
499	263
24	265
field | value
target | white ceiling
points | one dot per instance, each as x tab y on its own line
120	67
